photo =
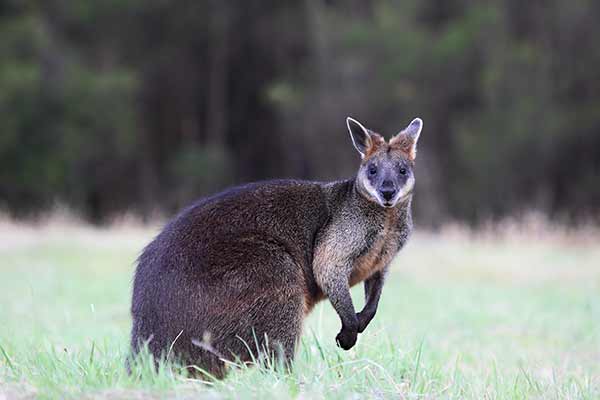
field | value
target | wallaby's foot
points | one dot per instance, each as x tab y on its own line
346	339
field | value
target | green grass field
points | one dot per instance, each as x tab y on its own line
460	317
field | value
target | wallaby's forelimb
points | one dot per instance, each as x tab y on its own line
337	289
373	286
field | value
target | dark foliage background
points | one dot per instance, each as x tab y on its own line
120	105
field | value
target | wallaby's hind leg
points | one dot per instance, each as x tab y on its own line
283	334
270	328
250	303
276	329
211	364
264	319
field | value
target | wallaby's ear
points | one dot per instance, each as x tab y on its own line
361	139
406	140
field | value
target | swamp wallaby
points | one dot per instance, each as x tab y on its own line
239	271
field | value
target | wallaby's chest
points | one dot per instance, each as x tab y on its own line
379	249
357	246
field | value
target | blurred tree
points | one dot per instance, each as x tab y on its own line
144	105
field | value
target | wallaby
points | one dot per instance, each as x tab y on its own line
237	273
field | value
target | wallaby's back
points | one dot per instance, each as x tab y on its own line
235	264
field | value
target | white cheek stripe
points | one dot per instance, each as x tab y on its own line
372	191
408	186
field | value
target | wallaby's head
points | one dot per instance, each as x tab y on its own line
386	174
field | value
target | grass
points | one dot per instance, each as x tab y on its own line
461	317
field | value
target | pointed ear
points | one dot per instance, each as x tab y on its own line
361	139
407	139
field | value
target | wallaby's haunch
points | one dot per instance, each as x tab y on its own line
239	271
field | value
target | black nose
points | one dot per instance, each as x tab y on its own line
388	193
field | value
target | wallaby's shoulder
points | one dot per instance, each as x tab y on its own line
338	194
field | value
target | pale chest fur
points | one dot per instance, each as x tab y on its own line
358	250
379	253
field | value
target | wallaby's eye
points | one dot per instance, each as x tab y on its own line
372	170
402	171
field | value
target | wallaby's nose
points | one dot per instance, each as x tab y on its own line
387	190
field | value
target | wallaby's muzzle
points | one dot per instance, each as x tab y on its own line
387	193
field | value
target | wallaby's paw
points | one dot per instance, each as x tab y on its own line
346	339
